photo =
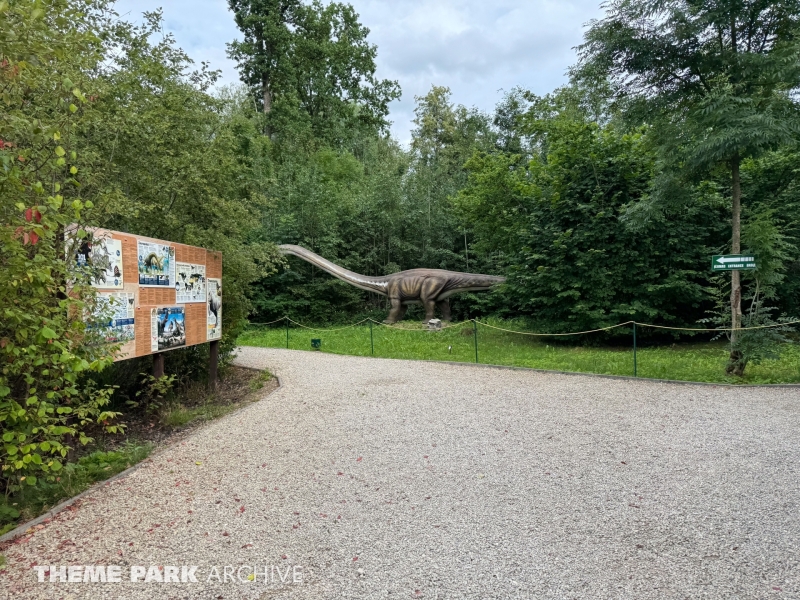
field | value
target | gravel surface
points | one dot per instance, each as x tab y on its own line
398	479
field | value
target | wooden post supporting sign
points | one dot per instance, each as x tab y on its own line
158	365
212	365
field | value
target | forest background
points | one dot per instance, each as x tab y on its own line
591	199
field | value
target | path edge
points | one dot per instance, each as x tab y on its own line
22	530
791	386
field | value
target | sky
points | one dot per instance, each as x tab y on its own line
477	48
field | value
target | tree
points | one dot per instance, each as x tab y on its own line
444	138
717	82
197	183
572	263
267	28
311	65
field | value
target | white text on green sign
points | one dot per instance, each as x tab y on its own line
733	262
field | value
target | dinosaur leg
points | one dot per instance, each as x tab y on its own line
430	290
397	311
444	308
429	307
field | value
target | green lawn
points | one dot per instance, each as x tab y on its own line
685	361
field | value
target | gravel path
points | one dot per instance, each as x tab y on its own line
396	479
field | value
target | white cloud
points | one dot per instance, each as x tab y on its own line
474	47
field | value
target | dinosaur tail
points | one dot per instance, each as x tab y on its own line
365	282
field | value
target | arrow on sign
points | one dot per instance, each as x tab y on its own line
724	259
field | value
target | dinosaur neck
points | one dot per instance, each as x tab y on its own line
365	282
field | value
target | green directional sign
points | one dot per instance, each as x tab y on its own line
733	262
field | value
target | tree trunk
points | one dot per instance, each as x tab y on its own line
736	364
266	93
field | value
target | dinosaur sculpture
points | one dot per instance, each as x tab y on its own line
429	287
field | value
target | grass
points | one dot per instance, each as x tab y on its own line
691	361
74	479
258	383
197	405
180	415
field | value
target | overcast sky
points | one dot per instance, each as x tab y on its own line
477	48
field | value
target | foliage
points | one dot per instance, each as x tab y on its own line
153	392
774	250
573	262
374	208
45	346
311	68
718	83
194	185
73	479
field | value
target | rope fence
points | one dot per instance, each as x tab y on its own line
635	325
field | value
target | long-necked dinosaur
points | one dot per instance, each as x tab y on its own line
429	287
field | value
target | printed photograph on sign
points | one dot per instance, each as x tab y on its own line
167	328
120	328
104	256
190	283
214	309
156	264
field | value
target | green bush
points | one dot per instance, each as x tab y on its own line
45	345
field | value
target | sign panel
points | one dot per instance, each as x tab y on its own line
105	255
214	309
167	328
156	264
120	329
190	283
151	283
733	262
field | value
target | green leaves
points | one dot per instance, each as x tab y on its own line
45	351
310	66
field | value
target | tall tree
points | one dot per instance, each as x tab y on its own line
717	80
311	67
267	28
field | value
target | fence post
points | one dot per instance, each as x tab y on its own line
475	337
287	332
371	341
634	349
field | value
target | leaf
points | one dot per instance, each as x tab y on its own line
47	333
